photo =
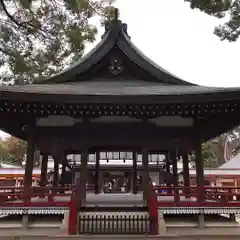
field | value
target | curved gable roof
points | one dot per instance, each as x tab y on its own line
116	37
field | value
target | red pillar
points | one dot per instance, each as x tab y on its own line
79	195
153	210
29	162
73	215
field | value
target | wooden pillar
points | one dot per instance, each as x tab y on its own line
29	160
167	165
44	165
84	161
64	166
97	173
199	171
73	176
82	181
145	173
128	175
199	163
175	175
160	177
168	174
134	173
101	179
186	179
55	171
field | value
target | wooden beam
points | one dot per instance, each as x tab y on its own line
123	143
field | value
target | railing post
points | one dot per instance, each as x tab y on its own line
201	194
50	194
186	191
176	194
73	215
153	210
27	197
230	195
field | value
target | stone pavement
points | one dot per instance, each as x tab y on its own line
187	234
216	237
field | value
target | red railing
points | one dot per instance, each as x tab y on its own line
37	196
197	196
171	196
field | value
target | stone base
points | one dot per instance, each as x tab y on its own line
162	230
65	221
25	222
201	223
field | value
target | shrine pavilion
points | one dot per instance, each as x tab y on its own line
226	175
115	99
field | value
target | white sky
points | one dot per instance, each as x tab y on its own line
181	41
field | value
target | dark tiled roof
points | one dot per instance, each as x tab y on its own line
118	91
120	87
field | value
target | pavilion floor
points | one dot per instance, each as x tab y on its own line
112	199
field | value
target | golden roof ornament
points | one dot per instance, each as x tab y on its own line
113	14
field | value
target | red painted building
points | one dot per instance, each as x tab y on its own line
227	175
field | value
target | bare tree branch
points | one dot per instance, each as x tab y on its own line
4	8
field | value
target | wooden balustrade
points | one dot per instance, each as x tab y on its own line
166	196
38	196
212	196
